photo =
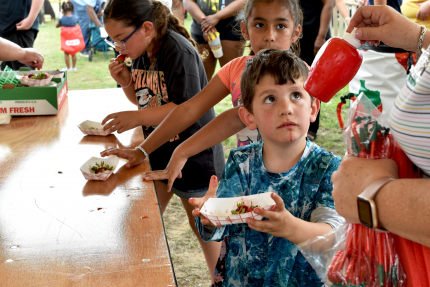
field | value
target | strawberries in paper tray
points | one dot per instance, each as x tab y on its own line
27	79
219	210
90	174
93	128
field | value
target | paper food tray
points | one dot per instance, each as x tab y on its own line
97	131
218	210
33	82
90	175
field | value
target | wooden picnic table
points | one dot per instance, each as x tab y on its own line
58	229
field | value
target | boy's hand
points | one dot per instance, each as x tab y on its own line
171	172
133	156
119	73
199	202
281	222
122	121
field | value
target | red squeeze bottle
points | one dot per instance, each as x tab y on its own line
334	66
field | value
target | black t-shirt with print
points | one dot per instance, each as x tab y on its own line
211	7
177	76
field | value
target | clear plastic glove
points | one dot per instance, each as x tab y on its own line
199	202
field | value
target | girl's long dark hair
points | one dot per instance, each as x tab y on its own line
134	12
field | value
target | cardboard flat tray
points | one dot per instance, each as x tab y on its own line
32	101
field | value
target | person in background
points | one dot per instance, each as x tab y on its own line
403	205
10	51
167	71
417	11
86	13
18	24
316	21
216	16
68	20
343	10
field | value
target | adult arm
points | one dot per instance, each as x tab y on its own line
326	12
209	22
26	23
194	10
10	51
178	10
343	10
383	23
380	2
403	205
93	16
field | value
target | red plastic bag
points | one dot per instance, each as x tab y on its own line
72	40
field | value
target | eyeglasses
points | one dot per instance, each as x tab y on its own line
121	45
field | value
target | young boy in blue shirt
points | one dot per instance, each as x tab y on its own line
264	253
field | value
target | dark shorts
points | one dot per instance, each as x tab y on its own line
24	39
197	193
229	31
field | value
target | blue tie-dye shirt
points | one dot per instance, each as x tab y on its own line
259	259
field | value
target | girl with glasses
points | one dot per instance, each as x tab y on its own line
167	70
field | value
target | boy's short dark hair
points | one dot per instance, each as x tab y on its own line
283	65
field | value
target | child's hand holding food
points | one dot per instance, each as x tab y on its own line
199	202
281	222
119	72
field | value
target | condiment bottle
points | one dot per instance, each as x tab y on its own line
334	66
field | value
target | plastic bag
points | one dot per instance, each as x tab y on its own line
367	135
354	255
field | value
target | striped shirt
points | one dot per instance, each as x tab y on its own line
410	117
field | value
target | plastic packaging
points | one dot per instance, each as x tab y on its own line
367	135
334	67
354	255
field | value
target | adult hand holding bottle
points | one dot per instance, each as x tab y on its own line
383	23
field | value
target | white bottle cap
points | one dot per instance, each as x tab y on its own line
349	37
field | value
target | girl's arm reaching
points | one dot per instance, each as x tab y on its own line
123	121
184	115
222	127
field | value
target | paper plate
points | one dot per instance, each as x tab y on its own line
218	210
90	174
97	130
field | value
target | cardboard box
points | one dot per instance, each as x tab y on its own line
30	101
